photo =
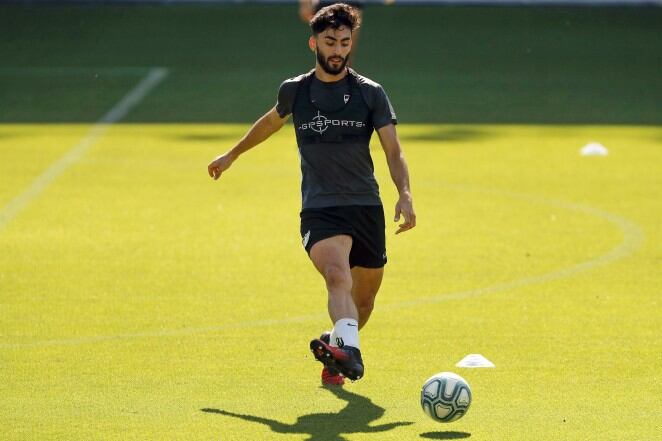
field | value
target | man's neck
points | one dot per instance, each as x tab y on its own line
326	77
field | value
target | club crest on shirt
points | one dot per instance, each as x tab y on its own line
345	98
320	123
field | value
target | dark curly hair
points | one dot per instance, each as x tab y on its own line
334	16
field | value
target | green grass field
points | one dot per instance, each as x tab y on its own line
140	300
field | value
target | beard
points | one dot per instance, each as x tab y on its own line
328	68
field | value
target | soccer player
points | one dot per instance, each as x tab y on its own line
308	9
335	111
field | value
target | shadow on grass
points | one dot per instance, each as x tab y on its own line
445	435
446	134
353	418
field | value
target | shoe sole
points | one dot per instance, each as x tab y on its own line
324	355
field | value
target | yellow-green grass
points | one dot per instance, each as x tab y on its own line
135	291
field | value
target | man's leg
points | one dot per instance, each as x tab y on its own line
331	258
366	283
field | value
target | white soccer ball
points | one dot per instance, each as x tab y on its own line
445	397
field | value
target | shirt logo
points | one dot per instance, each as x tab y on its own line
320	123
345	98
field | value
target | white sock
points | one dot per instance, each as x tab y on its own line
345	333
333	340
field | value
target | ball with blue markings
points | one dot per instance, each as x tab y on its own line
445	397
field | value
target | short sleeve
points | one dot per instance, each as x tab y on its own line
382	110
286	95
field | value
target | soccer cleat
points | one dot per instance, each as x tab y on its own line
326	337
346	359
330	375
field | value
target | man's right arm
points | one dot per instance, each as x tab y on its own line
263	128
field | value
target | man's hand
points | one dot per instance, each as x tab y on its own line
220	164
405	207
263	128
400	175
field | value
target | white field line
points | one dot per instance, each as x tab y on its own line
633	238
119	111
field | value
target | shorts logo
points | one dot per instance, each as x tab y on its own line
320	123
306	238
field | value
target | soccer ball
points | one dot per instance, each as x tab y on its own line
445	397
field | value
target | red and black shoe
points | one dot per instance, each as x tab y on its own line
331	376
346	359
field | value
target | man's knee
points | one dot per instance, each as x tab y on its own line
337	277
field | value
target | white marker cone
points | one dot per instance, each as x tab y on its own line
475	361
594	149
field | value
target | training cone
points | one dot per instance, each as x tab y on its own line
594	149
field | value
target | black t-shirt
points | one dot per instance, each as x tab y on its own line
331	96
333	124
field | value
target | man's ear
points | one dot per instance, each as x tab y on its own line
312	43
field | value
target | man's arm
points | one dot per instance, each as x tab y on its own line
263	128
400	175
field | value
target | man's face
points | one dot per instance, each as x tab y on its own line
332	47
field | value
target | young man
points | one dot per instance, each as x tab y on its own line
308	9
335	111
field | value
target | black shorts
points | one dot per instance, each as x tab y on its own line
365	223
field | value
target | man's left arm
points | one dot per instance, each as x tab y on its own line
400	175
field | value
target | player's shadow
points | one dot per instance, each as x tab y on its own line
353	418
445	435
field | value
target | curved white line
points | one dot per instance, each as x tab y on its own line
633	237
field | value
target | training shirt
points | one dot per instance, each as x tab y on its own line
333	123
